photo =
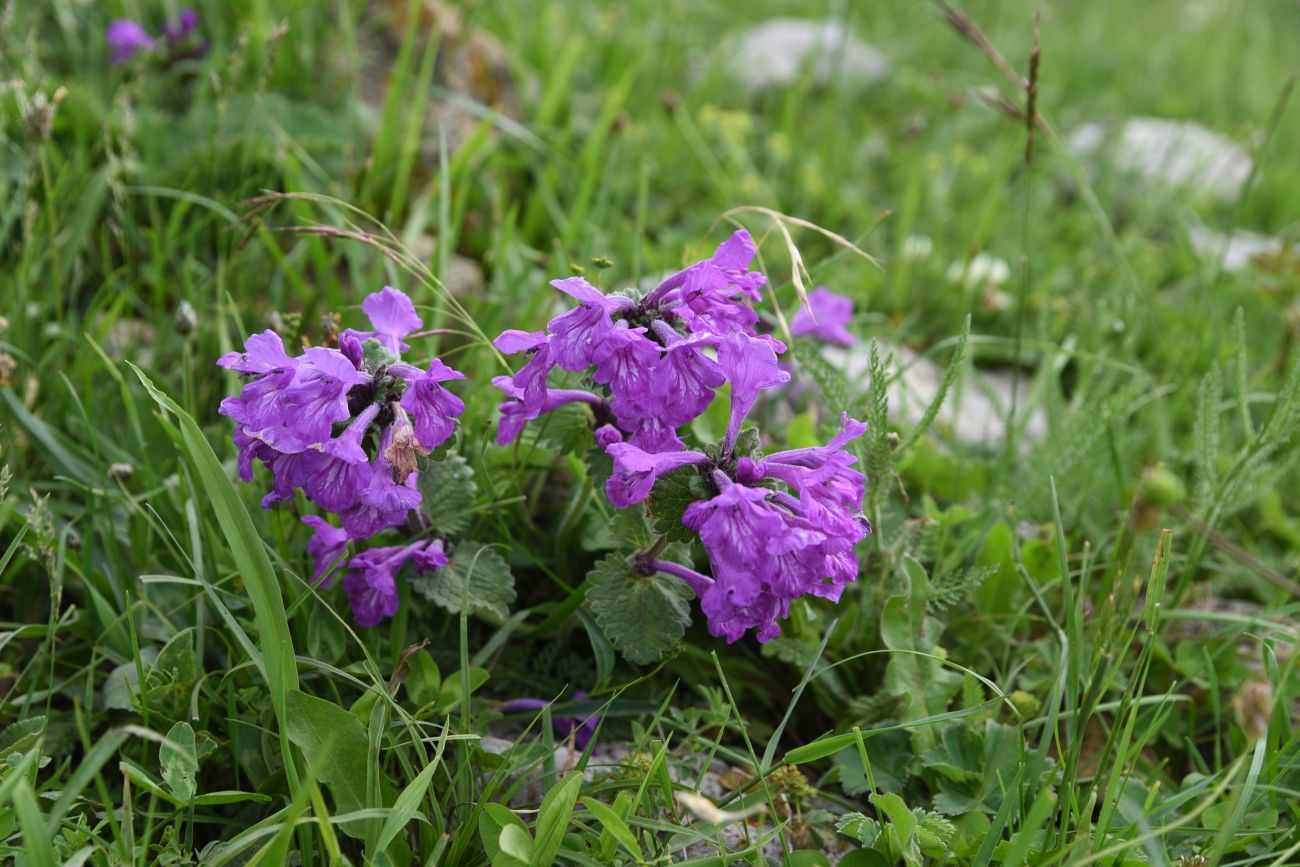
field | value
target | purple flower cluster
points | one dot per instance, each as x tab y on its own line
127	38
775	528
652	358
346	426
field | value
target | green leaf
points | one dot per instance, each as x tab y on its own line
599	466
864	858
515	843
424	679
968	768
169	682
866	831
672	494
180	763
476	574
925	684
37	848
21	736
553	818
801	432
336	743
615	824
624	529
407	804
567	429
1001	590
889	756
748	442
451	692
807	858
934	833
448	493
642	616
491	820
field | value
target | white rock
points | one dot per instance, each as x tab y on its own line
1234	250
1168	153
776	52
974	412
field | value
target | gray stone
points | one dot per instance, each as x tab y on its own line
776	52
1234	250
1167	153
974	412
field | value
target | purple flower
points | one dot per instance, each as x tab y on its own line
607	435
683	382
125	39
713	295
750	365
635	471
326	548
334	485
433	407
186	24
516	412
582	730
575	334
823	472
825	317
623	361
531	378
316	399
738	525
393	316
372	588
343	432
383	501
346	446
655	434
737	601
263	353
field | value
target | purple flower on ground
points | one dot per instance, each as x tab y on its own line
607	435
582	730
635	471
345	429
825	317
714	295
623	361
125	39
185	24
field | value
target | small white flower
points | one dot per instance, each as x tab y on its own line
982	271
917	248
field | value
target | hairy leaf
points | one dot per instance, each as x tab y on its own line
477	574
448	491
672	494
642	616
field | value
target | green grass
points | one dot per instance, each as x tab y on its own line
1076	650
